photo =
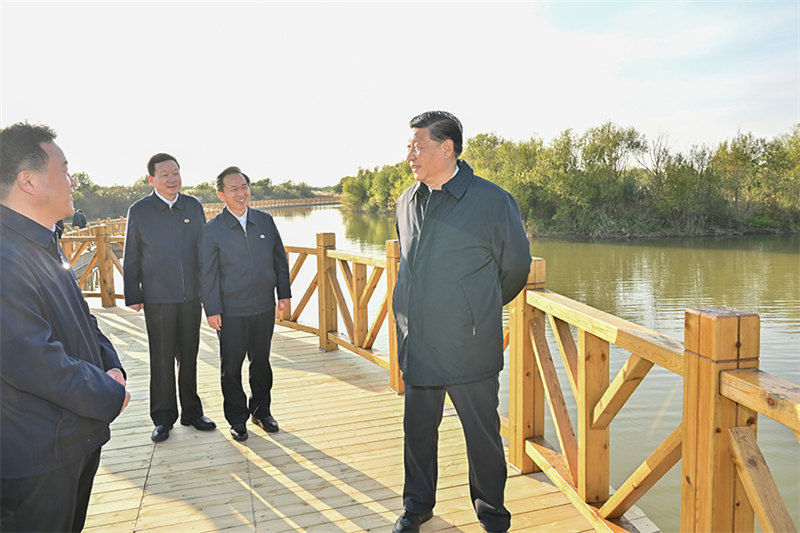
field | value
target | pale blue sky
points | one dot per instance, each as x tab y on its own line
310	91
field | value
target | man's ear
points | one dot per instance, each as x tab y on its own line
221	196
26	181
448	148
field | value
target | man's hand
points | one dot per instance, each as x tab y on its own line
215	321
126	402
116	373
137	307
283	304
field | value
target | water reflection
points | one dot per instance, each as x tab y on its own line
650	282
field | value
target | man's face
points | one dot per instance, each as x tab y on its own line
426	156
55	183
167	179
235	193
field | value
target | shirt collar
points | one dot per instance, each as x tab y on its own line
233	219
170	204
26	227
457	184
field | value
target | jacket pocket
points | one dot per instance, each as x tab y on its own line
481	291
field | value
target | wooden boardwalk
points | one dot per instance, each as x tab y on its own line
336	464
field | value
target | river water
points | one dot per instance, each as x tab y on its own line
650	282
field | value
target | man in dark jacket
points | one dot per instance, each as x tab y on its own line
79	220
61	382
243	262
161	274
463	255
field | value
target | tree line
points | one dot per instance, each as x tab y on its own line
610	181
98	201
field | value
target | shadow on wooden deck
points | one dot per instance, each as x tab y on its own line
336	464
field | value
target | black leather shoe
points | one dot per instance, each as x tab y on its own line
160	433
203	423
268	423
410	522
239	432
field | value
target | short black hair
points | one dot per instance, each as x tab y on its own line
159	158
20	149
227	172
442	126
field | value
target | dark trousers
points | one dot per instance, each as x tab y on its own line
173	332
251	336
53	501
476	405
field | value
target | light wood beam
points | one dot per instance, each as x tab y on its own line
340	299
661	349
654	467
555	398
766	500
567	349
764	393
625	382
374	278
304	300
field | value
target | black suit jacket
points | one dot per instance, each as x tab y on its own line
160	259
241	272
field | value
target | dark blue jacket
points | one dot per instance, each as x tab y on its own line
56	400
459	264
79	220
160	259
240	272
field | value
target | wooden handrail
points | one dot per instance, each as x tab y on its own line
764	393
656	347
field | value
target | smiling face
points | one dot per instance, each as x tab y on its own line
235	193
167	179
431	161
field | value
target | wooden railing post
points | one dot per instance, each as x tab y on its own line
526	392
392	265
593	444
360	325
68	248
712	498
327	301
105	266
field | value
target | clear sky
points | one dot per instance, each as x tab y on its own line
311	91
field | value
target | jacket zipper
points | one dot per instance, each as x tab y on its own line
252	267
180	262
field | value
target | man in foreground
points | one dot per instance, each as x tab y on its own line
463	255
243	263
61	382
161	276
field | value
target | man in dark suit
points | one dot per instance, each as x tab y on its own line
61	382
161	275
243	263
79	220
463	255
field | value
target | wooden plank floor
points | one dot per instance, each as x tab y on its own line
336	464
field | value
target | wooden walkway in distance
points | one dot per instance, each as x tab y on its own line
336	464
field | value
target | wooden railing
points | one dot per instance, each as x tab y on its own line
212	209
116	226
724	476
725	480
93	246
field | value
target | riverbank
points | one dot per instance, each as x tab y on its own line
660	234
